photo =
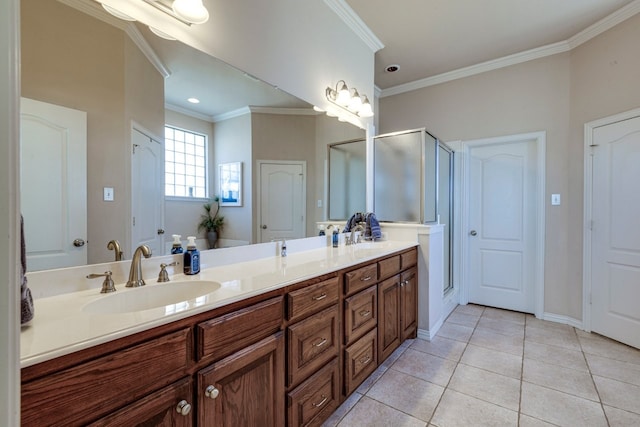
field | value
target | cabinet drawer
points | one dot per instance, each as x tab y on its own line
360	314
361	278
315	399
306	301
312	343
221	336
389	267
409	258
360	360
90	390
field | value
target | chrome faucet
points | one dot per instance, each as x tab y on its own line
135	273
352	240
114	245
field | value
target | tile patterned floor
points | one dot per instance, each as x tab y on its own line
491	367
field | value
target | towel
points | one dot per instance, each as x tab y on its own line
355	219
372	228
26	300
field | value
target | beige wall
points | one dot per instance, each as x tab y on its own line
76	61
556	94
232	143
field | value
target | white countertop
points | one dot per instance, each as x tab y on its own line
61	325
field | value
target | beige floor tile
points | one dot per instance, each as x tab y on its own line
614	369
559	338
425	366
601	346
457	409
560	408
471	309
395	355
533	322
527	421
371	379
342	410
455	332
560	356
488	386
498	342
408	394
501	327
494	361
370	413
503	315
577	383
618	394
619	418
440	346
463	319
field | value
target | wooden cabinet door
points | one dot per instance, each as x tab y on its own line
246	388
389	334
409	303
164	408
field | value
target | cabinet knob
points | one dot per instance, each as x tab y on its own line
183	407
211	392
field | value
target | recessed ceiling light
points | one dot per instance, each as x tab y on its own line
194	100
392	68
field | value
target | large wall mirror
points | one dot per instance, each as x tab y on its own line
130	84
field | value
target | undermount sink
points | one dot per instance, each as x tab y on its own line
153	295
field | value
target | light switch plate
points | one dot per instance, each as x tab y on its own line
108	194
555	199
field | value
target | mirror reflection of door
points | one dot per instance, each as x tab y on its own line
282	200
147	193
53	184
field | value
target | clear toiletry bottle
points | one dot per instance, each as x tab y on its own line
176	248
191	257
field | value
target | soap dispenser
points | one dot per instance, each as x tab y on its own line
191	257
176	248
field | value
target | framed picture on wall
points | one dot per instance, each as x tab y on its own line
230	184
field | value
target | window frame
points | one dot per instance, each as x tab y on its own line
207	177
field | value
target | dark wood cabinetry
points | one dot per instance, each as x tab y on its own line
288	357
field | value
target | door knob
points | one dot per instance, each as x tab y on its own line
160	231
473	232
264	226
78	243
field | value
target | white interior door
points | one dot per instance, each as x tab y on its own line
282	200
53	189
147	193
615	238
502	225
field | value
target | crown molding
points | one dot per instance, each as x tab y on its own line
355	23
95	10
231	114
585	35
188	112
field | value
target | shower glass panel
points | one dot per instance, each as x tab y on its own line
347	179
445	210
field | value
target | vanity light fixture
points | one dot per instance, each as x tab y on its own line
161	34
349	100
186	11
117	13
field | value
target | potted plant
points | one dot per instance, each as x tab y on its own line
212	224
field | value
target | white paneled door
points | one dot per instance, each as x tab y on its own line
615	235
282	200
502	224
53	193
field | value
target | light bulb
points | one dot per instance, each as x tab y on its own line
365	109
355	102
343	97
192	11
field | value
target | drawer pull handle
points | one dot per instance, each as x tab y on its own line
365	360
365	313
322	342
320	297
366	278
183	408
324	400
211	392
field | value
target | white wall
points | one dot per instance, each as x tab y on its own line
557	94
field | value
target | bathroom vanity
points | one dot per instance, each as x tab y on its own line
282	341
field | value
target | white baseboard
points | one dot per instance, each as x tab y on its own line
430	333
558	318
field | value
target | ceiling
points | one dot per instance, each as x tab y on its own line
430	37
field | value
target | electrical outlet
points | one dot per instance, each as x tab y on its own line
555	199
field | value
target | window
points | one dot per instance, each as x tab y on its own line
185	163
